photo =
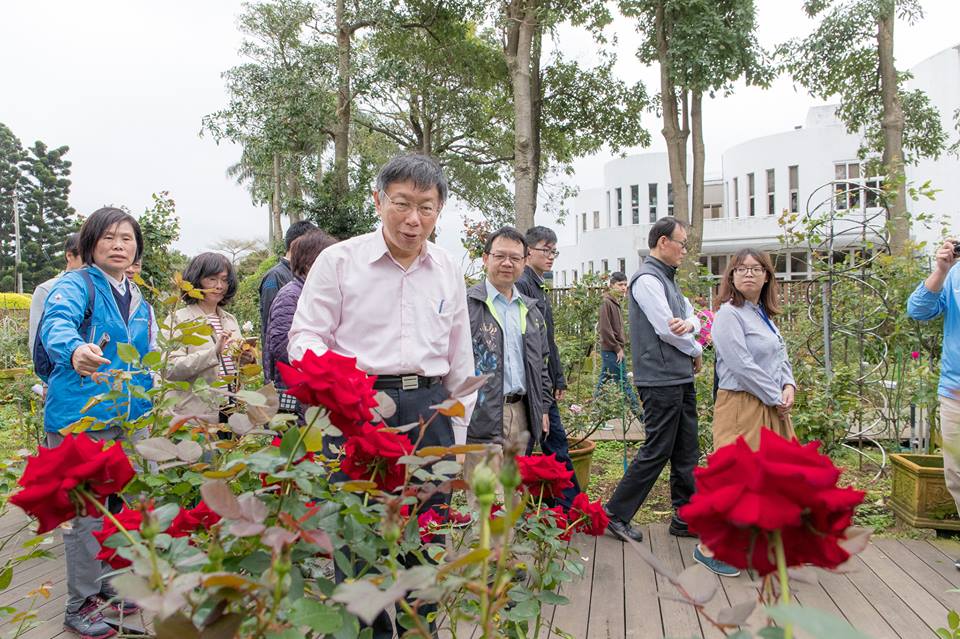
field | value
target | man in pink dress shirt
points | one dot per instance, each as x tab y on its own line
397	303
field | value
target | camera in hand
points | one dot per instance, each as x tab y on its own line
956	249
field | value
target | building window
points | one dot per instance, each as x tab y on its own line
871	198
622	265
635	203
771	198
751	196
847	185
652	199
794	188
590	264
608	208
670	199
584	221
736	198
619	206
574	276
596	219
606	267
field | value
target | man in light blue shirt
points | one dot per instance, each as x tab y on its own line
509	337
937	295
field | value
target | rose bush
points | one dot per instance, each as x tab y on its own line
281	498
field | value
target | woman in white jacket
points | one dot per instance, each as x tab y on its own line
213	360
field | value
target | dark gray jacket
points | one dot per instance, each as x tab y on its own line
655	362
486	425
531	285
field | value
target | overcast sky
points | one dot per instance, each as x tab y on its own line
125	84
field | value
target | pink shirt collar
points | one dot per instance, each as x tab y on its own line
379	248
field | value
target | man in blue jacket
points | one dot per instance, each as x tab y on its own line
938	295
81	339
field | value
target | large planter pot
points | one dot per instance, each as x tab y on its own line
920	496
582	458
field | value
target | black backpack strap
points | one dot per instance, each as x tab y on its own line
84	327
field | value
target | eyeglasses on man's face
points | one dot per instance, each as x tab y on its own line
754	270
547	251
403	207
684	245
503	257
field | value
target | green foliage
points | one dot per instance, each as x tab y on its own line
953	629
575	319
246	304
37	179
161	228
841	58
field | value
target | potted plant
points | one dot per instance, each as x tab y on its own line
919	494
582	419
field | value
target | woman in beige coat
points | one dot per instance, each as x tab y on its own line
211	361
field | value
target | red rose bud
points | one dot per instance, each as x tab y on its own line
590	517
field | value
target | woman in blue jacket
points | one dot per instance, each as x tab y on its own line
88	314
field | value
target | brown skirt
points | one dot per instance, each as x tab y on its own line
739	413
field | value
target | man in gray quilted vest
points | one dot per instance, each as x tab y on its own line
665	358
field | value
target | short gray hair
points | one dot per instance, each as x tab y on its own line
422	170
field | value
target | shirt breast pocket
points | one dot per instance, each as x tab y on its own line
439	314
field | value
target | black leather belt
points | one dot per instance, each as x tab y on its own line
404	382
512	399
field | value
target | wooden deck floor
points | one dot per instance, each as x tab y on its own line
899	589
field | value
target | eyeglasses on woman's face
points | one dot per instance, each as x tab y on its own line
753	270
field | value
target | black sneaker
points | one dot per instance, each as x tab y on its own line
678	528
88	623
623	530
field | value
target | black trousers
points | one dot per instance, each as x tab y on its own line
411	405
555	443
670	420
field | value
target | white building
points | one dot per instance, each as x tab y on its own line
763	181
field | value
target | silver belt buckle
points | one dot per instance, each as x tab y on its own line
410	382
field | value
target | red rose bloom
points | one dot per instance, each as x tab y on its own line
334	382
544	476
743	496
590	517
187	521
428	521
129	519
53	473
372	455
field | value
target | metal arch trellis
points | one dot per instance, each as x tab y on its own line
831	227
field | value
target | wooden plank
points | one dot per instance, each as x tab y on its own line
607	607
573	619
719	601
814	596
931	581
857	609
642	606
894	611
679	619
931	556
911	592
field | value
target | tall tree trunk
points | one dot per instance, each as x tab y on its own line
294	190
521	26
673	134
276	232
341	133
892	126
536	92
695	240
